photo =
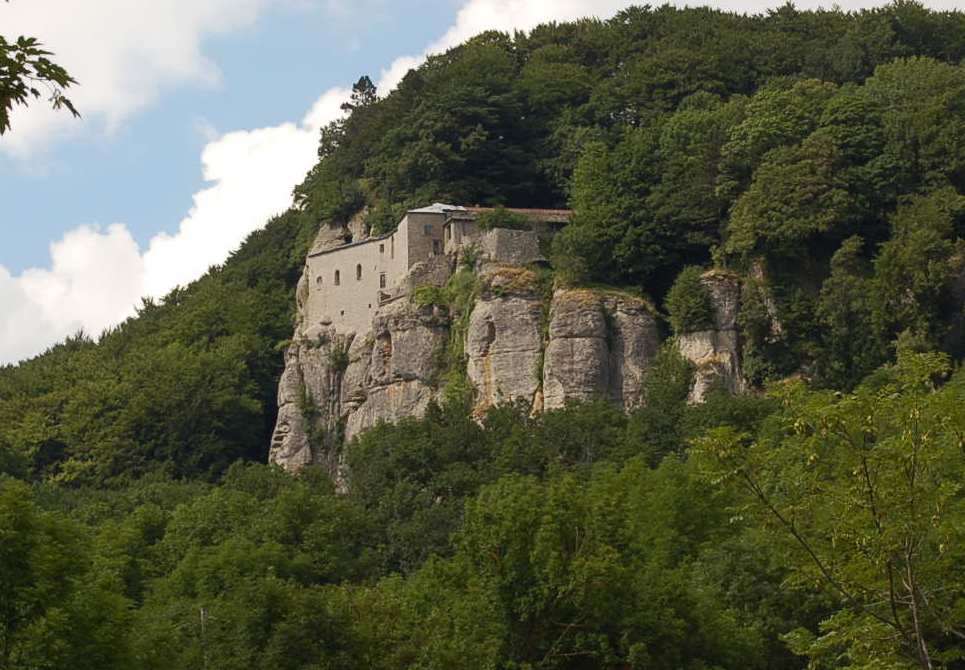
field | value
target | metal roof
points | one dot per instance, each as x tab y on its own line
438	208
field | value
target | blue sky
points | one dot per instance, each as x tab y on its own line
145	172
199	118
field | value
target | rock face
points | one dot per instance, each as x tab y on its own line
600	345
715	353
329	237
305	393
504	343
521	345
336	386
392	374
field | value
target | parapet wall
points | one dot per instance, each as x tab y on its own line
512	247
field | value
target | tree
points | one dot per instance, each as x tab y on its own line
851	346
24	70
797	193
364	94
863	493
56	612
688	302
915	269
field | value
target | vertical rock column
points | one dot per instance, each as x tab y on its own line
504	342
715	352
600	346
308	407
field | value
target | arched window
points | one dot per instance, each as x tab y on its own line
338	279
318	280
358	271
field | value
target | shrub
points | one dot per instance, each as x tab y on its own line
338	359
502	218
688	303
425	296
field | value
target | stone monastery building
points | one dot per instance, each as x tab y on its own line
348	283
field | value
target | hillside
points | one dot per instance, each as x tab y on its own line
811	163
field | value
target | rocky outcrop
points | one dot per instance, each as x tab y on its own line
336	386
600	346
306	431
715	352
357	227
523	343
329	236
504	342
395	371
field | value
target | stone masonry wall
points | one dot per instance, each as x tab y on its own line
364	269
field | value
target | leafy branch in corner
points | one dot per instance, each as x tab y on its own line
26	72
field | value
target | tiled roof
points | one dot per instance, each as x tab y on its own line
538	214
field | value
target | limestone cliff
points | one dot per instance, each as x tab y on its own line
523	343
504	343
504	328
600	345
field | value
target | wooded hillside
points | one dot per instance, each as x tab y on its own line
818	519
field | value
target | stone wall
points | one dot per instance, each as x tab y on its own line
364	269
514	247
350	304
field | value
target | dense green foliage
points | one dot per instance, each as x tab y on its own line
527	541
188	385
500	217
866	492
817	156
688	302
565	540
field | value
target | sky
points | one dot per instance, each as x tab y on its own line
198	118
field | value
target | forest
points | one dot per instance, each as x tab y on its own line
817	521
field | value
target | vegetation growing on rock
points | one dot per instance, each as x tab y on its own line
688	302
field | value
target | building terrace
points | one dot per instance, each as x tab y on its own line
346	284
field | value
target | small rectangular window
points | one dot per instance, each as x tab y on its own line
381	248
436	247
428	229
382	281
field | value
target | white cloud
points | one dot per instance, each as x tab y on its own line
93	282
122	52
96	275
252	173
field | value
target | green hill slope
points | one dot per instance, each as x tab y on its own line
675	134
